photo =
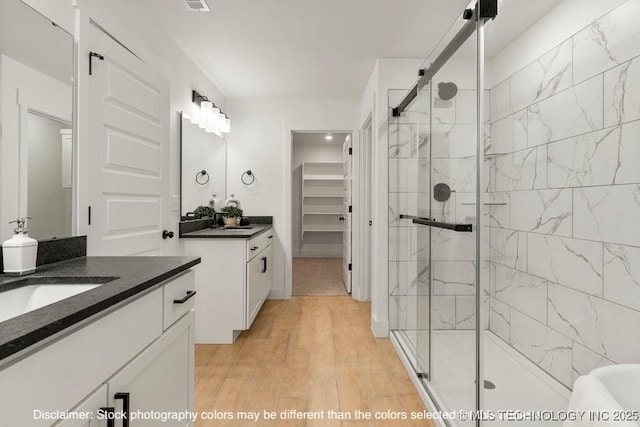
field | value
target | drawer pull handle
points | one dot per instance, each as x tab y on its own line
185	298
270	237
125	407
109	411
254	248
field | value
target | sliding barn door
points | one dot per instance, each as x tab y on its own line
129	114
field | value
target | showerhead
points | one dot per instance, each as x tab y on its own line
447	91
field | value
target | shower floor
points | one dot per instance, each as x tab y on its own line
519	384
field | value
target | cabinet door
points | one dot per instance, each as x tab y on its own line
254	288
267	271
91	405
160	379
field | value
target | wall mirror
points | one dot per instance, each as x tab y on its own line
203	164
37	148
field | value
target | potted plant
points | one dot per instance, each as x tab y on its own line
232	215
204	211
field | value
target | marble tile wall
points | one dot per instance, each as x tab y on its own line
408	243
565	249
422	153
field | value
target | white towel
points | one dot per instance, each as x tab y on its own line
591	396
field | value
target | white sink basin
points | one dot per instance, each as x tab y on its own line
27	298
623	382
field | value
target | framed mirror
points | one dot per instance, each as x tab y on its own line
37	144
203	167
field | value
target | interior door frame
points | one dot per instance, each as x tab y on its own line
327	125
363	200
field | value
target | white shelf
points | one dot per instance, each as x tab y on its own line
320	230
322	180
310	177
322	213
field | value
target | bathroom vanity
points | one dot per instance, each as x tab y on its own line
124	344
234	280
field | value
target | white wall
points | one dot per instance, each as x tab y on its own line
260	140
388	74
315	244
130	25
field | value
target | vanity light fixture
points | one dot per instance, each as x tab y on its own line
212	119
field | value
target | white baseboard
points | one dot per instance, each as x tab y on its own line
277	294
379	329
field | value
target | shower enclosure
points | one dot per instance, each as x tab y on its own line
512	169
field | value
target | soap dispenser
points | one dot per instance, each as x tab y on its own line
19	252
232	201
215	203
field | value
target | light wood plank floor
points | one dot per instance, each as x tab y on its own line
309	354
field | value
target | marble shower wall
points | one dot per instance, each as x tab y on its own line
424	150
565	250
408	243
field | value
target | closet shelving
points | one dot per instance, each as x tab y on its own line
322	195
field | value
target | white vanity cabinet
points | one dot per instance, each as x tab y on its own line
233	281
259	281
130	348
160	379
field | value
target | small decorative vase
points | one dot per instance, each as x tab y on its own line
229	221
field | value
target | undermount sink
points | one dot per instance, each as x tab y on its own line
40	292
623	382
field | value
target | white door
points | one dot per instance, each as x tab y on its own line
129	116
254	288
346	217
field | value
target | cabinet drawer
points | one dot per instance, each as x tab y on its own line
258	243
179	297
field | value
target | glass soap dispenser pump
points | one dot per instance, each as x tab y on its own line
19	252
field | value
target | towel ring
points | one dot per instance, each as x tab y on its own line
203	173
251	178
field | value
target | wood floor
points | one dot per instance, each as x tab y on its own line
306	354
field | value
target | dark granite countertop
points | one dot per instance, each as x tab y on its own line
124	277
226	233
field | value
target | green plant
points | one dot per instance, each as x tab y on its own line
204	211
232	211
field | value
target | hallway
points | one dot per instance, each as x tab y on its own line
308	354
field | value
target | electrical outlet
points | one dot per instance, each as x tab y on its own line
175	203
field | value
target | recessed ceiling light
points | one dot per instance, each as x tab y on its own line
328	137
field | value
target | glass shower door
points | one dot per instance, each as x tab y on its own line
422	234
447	196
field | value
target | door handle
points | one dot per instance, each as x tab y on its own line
188	296
110	411
126	408
166	234
264	264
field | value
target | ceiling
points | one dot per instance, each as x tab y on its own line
308	138
316	48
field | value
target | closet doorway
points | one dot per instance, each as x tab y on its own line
321	194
